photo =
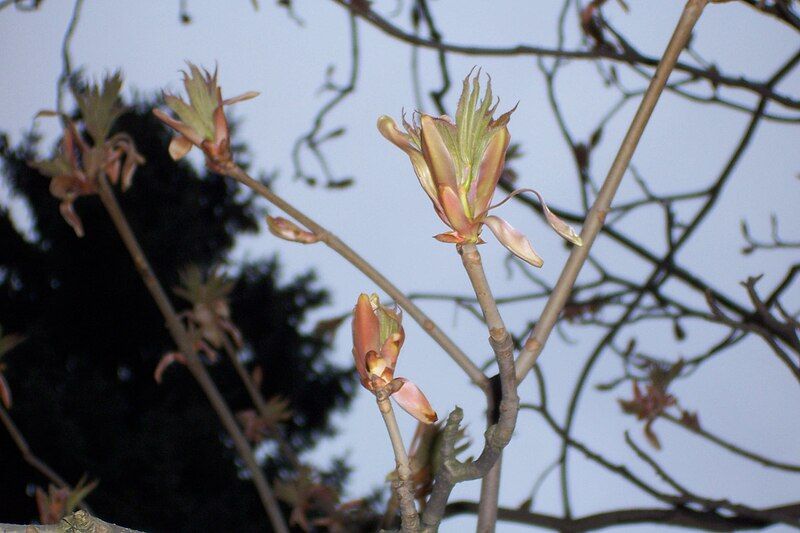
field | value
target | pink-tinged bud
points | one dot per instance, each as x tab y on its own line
366	331
490	170
179	146
377	339
409	143
288	230
459	163
414	402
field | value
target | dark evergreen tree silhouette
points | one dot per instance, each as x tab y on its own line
84	393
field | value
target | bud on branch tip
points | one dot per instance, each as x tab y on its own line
378	336
202	120
458	164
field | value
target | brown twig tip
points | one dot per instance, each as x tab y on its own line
453	420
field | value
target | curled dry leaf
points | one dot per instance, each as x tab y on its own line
166	360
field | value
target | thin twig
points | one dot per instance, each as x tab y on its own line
260	404
628	56
31	458
409	518
66	70
313	139
676	516
758	458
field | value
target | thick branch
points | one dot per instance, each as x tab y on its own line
676	516
79	522
502	422
500	341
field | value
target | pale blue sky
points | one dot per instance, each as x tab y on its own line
744	395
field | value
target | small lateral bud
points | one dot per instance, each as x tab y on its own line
288	230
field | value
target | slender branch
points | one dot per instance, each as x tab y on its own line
260	403
336	244
404	486
594	220
708	503
66	70
503	403
31	458
195	365
620	470
652	283
657	468
758	458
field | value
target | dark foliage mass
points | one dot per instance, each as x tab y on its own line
84	393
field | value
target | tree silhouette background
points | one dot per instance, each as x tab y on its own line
84	393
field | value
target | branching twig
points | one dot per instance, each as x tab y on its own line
313	139
713	76
404	485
